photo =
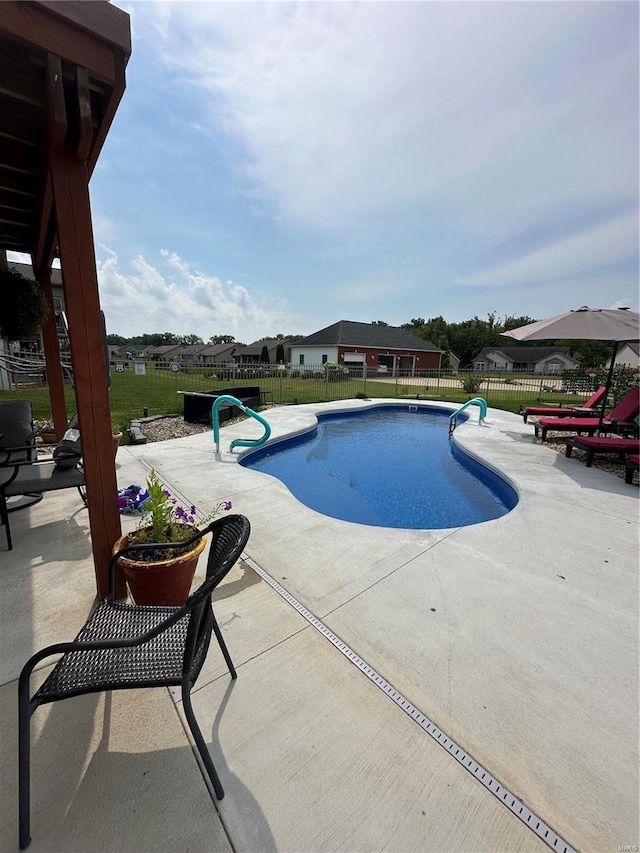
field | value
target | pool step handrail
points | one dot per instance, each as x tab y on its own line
482	414
238	442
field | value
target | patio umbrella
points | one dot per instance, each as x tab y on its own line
618	325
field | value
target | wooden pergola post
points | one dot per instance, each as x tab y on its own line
80	284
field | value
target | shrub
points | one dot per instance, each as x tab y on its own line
334	372
471	382
23	306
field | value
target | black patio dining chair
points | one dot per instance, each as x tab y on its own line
24	477
125	646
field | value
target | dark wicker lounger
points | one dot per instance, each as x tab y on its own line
595	446
632	464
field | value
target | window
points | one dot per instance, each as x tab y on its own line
324	359
301	358
57	303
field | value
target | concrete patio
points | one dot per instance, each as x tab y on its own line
517	637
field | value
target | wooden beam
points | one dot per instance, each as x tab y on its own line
57	123
11	201
80	283
108	20
17	182
110	110
33	24
55	377
45	229
84	119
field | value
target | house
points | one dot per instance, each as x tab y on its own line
453	361
628	354
166	352
524	360
190	353
216	354
252	354
362	347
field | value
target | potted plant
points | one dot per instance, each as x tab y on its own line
151	580
23	306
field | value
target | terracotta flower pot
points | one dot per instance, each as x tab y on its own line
166	582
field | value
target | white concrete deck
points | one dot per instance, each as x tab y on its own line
518	637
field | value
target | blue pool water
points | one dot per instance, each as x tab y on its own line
388	467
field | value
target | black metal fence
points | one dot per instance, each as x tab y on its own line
154	382
140	388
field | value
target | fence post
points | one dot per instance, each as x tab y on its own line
397	371
326	382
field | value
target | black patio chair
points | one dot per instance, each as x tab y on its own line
22	474
125	646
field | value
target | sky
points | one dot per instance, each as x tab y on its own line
275	168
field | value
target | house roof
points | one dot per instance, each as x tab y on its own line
214	350
351	334
133	349
634	346
525	355
162	350
256	347
27	271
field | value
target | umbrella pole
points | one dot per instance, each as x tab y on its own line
607	385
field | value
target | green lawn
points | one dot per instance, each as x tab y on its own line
157	391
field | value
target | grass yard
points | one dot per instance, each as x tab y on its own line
157	391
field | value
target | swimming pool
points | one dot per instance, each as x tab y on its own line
392	466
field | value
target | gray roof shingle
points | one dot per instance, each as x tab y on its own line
525	355
348	333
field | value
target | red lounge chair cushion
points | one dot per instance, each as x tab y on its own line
622	445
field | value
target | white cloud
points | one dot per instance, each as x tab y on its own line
176	297
343	110
585	253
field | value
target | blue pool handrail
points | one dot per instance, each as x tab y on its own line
482	414
238	442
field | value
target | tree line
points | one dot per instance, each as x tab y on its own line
464	339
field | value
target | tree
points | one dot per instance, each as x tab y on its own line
589	353
379	323
191	340
222	339
280	354
116	340
264	355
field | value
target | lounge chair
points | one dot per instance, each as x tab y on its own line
621	419
632	464
593	446
590	407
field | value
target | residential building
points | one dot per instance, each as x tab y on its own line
628	354
363	347
252	354
524	360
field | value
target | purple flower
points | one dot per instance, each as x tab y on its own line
227	505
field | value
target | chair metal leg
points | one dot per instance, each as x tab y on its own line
223	648
4	518
24	762
200	742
